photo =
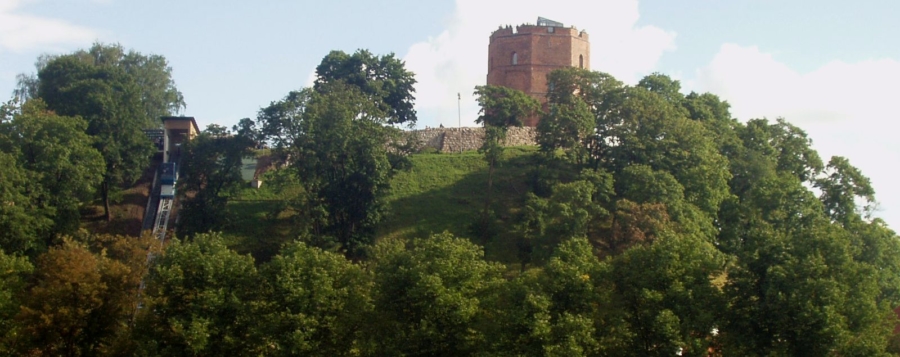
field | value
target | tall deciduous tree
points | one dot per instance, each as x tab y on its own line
336	139
383	79
110	100
667	294
118	93
567	89
55	171
152	74
501	108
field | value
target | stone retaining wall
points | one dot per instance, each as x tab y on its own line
463	139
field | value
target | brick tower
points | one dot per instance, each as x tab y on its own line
522	58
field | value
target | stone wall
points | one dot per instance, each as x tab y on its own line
464	139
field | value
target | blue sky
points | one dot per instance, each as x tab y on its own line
831	67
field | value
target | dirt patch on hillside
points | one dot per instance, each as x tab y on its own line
127	212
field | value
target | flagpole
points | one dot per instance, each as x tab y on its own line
458	110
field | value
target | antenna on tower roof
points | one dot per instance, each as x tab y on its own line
547	22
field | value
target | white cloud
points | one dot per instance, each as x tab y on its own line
455	61
21	32
846	108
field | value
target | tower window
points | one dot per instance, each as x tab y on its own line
515	58
581	61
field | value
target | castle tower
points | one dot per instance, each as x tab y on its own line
522	58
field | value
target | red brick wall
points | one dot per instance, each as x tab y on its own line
539	50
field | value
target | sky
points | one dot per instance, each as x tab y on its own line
831	67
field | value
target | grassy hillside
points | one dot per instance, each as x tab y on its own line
440	192
447	192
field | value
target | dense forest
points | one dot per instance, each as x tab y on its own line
647	223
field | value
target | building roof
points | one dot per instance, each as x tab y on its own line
191	119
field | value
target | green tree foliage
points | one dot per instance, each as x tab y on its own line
841	187
501	107
110	100
201	300
666	87
666	292
570	89
428	296
578	209
566	308
210	168
317	303
646	125
566	126
801	292
653	132
382	79
20	220
51	170
336	140
800	283
281	121
151	73
14	271
715	115
656	225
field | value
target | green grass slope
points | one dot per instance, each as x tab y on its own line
446	192
440	192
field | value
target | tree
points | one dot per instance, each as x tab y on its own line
501	107
151	73
800	292
384	80
337	145
200	300
281	121
667	294
21	222
318	303
82	295
715	115
109	99
651	131
562	309
55	171
427	296
842	186
566	126
666	87
568	88
573	210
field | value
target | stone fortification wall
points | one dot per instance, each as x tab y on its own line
463	139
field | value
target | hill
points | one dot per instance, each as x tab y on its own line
439	192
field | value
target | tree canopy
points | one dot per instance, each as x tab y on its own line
382	79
